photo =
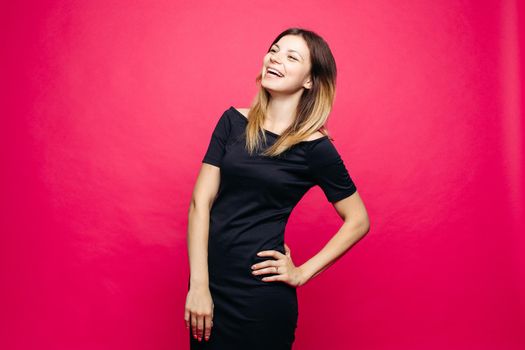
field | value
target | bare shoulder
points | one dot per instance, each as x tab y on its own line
316	135
243	111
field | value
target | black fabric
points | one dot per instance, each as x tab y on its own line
328	170
218	141
255	198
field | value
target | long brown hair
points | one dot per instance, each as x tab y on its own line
314	105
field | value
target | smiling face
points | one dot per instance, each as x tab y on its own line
290	56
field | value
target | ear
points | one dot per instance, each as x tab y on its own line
308	83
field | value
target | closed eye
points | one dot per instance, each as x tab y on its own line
273	50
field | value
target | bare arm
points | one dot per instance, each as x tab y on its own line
198	312
356	225
204	193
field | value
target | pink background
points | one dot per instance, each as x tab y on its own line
107	110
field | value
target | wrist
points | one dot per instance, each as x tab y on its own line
304	276
198	284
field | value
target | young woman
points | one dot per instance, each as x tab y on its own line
259	163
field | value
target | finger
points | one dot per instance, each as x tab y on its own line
274	278
194	325
200	327
187	318
273	253
207	331
268	264
266	271
265	263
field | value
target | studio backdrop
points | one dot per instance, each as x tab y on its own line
107	110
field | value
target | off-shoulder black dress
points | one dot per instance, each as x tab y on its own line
255	198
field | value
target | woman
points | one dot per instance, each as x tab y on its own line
258	165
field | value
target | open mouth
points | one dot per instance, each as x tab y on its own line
271	71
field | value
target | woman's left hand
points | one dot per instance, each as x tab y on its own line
284	268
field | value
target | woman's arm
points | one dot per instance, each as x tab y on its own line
198	218
198	312
204	193
356	225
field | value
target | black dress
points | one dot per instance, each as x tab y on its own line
255	198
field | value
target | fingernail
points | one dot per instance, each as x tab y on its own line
259	253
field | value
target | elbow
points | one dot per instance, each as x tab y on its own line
365	224
200	203
362	220
362	225
365	227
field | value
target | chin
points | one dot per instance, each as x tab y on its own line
270	88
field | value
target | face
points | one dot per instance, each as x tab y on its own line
291	58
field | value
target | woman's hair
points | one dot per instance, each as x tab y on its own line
314	105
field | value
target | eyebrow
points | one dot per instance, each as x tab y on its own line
290	50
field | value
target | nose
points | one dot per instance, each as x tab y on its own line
274	57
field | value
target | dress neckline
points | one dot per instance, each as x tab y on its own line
237	112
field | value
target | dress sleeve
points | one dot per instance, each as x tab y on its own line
329	171
218	140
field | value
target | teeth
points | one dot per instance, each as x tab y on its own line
274	71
